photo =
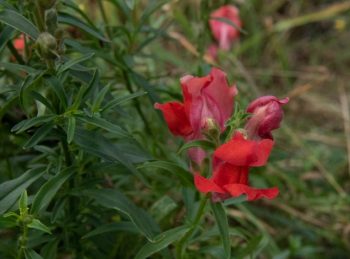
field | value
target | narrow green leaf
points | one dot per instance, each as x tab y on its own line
71	20
92	85
17	67
23	203
141	82
103	124
71	129
38	135
48	191
5	36
100	146
49	250
37	224
203	144
151	8
70	63
36	121
99	98
122	99
113	199
31	254
254	247
78	97
113	227
37	96
19	22
184	176
163	207
123	7
57	87
11	190
221	219
163	240
8	222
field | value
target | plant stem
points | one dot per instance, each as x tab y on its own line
105	19
23	241
39	17
180	246
136	103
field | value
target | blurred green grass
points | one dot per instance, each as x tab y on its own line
297	49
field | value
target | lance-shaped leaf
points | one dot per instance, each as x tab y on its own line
114	199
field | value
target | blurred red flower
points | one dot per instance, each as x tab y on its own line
231	164
205	98
266	116
223	32
19	44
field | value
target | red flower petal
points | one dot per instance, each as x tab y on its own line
252	193
208	97
176	118
206	185
226	173
242	152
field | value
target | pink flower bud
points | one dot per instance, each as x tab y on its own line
223	32
266	116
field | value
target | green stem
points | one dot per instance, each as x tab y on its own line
105	19
136	103
23	241
39	17
180	246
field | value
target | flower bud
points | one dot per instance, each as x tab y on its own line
27	219
266	116
51	20
211	129
46	45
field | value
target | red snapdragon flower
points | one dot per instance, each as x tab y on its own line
205	98
266	116
225	33
231	166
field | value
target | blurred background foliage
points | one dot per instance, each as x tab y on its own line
126	55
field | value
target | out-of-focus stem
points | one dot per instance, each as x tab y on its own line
180	246
39	17
105	18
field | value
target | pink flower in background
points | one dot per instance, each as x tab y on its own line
231	164
19	44
266	116
223	32
205	98
212	51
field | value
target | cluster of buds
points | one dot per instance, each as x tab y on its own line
206	108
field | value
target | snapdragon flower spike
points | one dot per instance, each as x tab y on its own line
231	166
205	98
223	32
266	116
